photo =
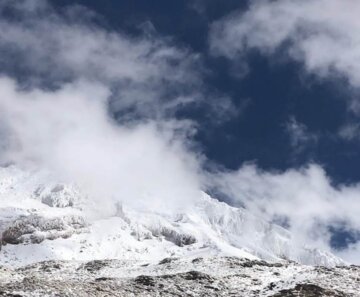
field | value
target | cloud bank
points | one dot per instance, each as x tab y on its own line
96	106
303	200
69	132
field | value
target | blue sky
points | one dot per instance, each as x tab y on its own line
274	92
263	97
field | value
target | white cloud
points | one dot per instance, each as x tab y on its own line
351	254
148	75
323	34
69	72
304	198
69	133
349	131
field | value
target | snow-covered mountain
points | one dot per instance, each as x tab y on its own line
43	220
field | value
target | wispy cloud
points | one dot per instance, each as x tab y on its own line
149	75
299	135
305	199
350	131
323	34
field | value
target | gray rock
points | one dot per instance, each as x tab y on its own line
35	229
208	277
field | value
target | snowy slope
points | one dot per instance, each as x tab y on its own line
44	220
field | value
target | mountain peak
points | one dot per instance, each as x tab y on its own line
44	220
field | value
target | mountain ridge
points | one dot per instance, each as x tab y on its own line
45	220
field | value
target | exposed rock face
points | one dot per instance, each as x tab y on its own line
179	239
35	229
309	290
57	195
214	276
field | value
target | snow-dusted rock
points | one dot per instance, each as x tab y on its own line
211	276
58	195
35	229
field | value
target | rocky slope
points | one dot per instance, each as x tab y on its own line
211	276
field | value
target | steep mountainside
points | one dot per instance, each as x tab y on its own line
43	220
